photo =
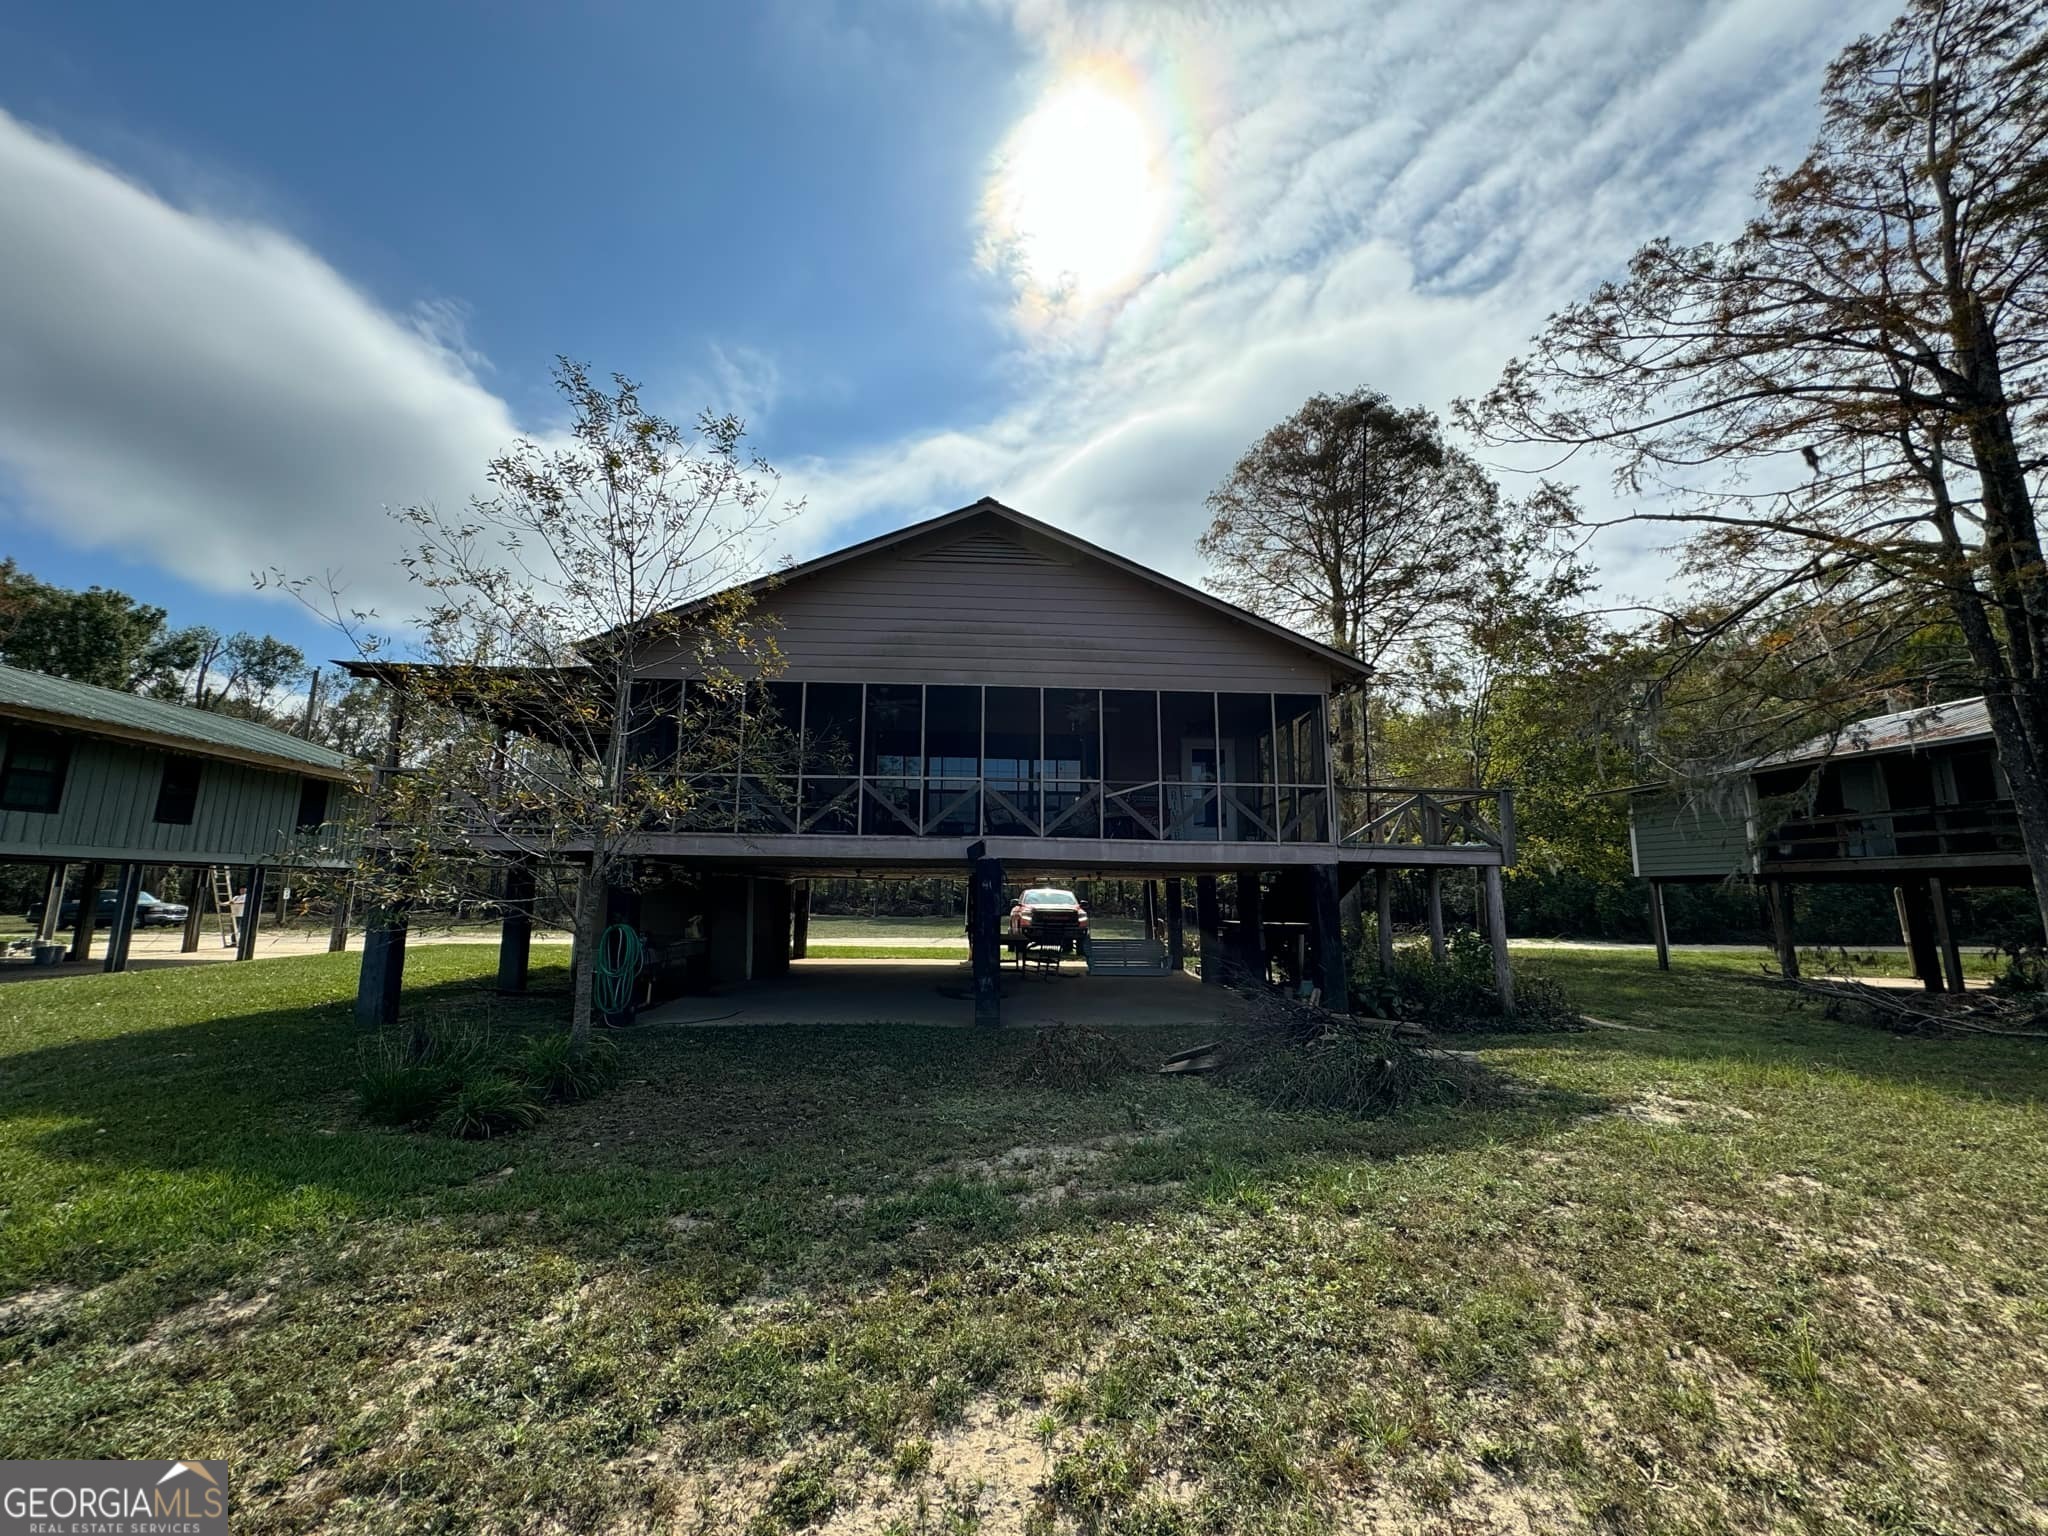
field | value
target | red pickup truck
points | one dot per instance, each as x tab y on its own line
1048	918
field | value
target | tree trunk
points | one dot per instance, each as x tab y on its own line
589	913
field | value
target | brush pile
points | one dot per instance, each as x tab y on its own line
2016	1016
1294	1056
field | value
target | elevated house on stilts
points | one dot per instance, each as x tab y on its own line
989	695
1915	800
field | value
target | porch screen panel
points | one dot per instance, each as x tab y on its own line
708	755
1130	763
1071	767
830	795
952	753
1304	790
1011	746
652	707
1187	765
892	757
1250	807
770	737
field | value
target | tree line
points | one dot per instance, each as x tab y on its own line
107	638
1836	414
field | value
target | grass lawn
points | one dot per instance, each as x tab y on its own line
1736	1267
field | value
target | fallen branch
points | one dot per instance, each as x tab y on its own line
1962	1016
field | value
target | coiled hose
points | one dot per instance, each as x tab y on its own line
616	971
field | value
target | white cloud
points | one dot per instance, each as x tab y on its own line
206	394
1392	196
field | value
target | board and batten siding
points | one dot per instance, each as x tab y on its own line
998	606
1674	839
243	814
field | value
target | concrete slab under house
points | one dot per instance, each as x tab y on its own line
988	696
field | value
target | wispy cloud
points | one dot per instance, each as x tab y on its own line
206	394
1393	195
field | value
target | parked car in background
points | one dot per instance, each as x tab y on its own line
149	912
1048	918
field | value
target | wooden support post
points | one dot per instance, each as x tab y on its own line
1383	895
985	905
1497	939
1176	929
195	909
800	920
1209	928
1437	948
1658	931
1781	929
337	930
1326	937
53	903
383	974
515	927
252	908
1916	905
1945	936
381	980
1251	928
88	911
127	889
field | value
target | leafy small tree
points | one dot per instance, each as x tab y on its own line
1844	404
96	636
240	672
525	720
1354	520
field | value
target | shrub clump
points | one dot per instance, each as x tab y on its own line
1073	1059
555	1070
472	1085
1457	994
403	1093
486	1105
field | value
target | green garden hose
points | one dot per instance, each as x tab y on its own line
617	971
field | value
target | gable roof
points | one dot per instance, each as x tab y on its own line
38	698
989	507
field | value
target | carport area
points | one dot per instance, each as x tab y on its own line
941	992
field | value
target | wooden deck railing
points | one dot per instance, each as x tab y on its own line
1920	831
1405	816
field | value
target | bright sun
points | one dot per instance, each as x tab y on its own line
1078	201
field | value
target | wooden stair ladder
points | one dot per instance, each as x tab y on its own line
223	887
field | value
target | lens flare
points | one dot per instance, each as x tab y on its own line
1078	204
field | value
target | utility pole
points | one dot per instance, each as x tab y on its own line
312	704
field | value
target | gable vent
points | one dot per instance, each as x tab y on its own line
984	549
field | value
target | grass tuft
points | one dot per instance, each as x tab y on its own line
1074	1059
486	1105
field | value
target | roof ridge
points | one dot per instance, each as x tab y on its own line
78	701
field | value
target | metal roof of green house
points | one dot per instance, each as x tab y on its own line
105	712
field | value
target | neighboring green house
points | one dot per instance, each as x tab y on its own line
1915	800
95	777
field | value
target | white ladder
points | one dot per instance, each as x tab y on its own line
223	902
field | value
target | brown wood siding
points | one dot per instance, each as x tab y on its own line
958	608
108	812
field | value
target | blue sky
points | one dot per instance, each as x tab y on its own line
264	269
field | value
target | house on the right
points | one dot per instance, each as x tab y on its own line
1914	800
